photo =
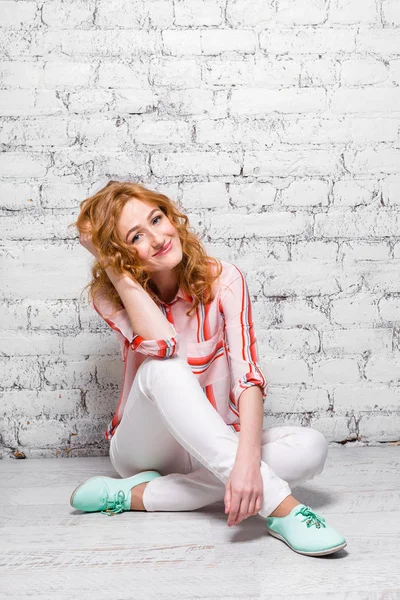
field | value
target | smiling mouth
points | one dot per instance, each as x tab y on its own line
166	247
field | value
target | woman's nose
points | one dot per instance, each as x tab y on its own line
158	242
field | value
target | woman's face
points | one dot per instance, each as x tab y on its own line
146	229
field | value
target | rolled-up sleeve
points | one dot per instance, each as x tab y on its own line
241	339
160	348
120	323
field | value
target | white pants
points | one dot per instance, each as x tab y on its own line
169	426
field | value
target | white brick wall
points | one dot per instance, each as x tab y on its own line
276	124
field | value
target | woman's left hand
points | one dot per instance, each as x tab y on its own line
243	492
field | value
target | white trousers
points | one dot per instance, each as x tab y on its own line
169	426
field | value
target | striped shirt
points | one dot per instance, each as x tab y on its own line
218	342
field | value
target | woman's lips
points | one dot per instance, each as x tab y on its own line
167	249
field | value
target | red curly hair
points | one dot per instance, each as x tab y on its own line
101	212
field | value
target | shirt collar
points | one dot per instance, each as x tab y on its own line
179	294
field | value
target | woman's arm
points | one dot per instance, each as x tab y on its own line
146	318
251	410
244	368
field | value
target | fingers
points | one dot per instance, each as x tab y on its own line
259	504
252	504
227	498
242	508
241	504
86	226
232	504
85	236
234	511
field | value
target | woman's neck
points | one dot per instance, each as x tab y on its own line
165	285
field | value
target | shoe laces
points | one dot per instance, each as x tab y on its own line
311	517
117	504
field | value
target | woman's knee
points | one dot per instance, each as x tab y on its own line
317	449
155	370
153	363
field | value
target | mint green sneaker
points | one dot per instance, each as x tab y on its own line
107	494
306	532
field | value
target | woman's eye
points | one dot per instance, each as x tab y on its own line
155	219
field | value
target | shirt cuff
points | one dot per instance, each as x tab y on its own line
249	380
164	348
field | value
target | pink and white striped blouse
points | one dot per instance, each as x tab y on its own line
218	342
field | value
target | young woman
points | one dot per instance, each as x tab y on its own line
188	429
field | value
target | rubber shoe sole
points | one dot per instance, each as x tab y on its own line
320	553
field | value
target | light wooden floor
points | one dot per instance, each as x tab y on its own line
49	550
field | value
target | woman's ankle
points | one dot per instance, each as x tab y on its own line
284	508
137	496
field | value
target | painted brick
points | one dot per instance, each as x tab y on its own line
356	341
43	434
383	368
349	12
71	74
44	403
249	12
19	196
280	371
354	192
74	372
290	342
28	343
20	74
134	14
301	312
307	40
15	15
211	194
365	398
283	163
377	427
251	102
378	41
18	373
381	100
60	15
296	400
302	12
336	370
14	315
196	13
306	193
363	71
333	427
391	13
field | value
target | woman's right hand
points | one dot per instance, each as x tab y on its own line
85	239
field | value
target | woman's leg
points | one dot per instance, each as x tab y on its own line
176	395
296	454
